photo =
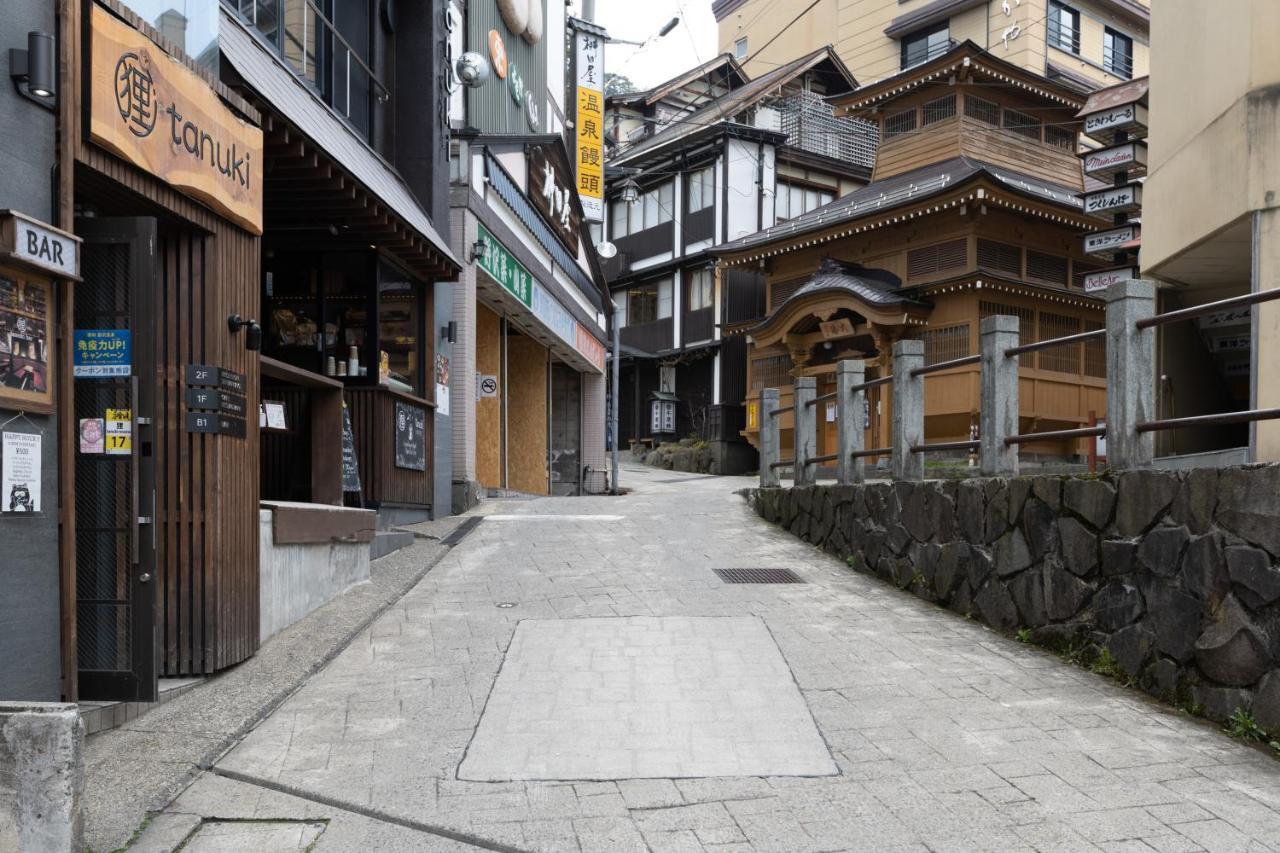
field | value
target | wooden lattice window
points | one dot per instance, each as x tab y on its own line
1026	318
1000	257
1064	358
899	123
939	109
770	371
982	109
1047	268
1080	269
1022	124
940	257
1095	352
1060	137
946	343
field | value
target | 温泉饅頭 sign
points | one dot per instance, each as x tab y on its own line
589	149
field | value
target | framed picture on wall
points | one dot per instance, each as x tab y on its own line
26	343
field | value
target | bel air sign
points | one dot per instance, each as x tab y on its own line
1096	282
1116	200
1105	242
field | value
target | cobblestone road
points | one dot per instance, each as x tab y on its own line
944	735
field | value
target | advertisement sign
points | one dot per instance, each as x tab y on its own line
350	466
37	244
1106	242
20	473
587	344
551	312
589	150
162	117
1095	282
1129	157
26	346
102	353
550	191
411	441
1103	126
118	432
503	268
91	435
442	385
1116	200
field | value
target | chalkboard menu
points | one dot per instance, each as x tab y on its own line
350	470
411	440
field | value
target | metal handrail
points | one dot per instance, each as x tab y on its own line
872	383
1055	342
783	464
946	365
825	398
875	451
946	445
1053	435
1209	308
782	411
1221	419
826	457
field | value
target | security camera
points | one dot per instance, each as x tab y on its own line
472	69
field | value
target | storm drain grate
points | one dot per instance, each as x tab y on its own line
758	576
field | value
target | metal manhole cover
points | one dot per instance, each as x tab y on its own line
758	576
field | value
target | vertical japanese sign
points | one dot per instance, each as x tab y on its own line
589	151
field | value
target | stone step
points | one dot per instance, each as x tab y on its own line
389	541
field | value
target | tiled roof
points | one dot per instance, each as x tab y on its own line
876	287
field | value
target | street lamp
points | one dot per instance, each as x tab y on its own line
666	28
630	191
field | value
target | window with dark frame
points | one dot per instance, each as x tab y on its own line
1060	137
939	109
925	44
1117	53
1021	124
1064	28
899	123
981	109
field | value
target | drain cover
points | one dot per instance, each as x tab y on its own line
758	576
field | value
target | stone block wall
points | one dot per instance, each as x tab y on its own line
1173	574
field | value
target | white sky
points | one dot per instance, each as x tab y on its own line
690	43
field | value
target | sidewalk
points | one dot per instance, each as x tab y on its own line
574	676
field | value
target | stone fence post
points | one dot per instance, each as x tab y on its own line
806	430
999	401
849	427
41	778
1131	379
908	410
769	438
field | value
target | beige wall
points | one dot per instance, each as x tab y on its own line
856	29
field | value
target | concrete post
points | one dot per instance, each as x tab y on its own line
806	431
999	415
908	410
769	438
41	778
849	427
1131	385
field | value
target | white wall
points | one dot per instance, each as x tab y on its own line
744	208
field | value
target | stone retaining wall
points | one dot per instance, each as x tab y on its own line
1174	574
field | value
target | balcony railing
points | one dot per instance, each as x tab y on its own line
1117	62
316	50
811	125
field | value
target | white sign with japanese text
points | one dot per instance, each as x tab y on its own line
20	473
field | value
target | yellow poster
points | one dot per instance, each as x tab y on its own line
118	432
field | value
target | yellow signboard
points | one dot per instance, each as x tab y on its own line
158	114
589	150
119	432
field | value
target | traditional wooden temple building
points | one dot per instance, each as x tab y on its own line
972	210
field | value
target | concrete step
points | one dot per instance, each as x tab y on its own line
389	541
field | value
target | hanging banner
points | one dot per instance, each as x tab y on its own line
20	472
589	150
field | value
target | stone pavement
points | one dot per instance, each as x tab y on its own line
944	735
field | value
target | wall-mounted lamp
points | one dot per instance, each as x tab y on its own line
37	67
479	250
471	70
253	337
449	332
630	191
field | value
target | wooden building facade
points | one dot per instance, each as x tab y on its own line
972	211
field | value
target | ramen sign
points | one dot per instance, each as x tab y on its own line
158	114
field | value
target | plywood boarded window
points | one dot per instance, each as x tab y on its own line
982	109
780	291
899	123
771	371
938	258
946	343
1060	359
1095	352
1026	318
940	109
1022	124
1047	268
1000	257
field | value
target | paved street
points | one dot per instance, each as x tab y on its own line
574	676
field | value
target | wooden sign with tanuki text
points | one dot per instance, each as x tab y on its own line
153	111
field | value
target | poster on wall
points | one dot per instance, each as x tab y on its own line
20	472
411	433
102	353
589	148
442	385
92	433
26	353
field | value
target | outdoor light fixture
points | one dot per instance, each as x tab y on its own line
37	66
479	250
630	191
669	26
449	331
253	337
471	69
